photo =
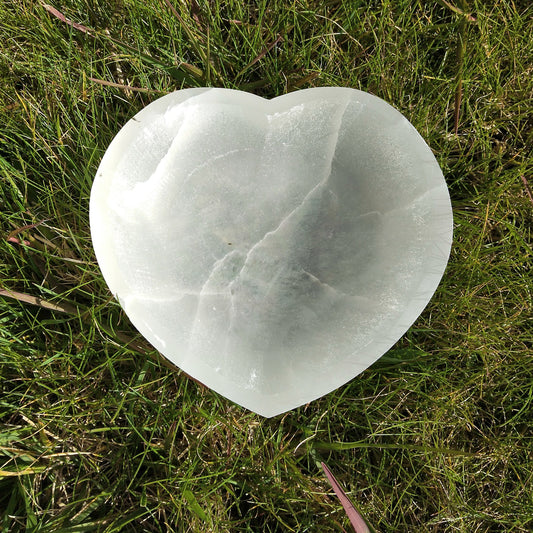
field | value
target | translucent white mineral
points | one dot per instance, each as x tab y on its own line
272	249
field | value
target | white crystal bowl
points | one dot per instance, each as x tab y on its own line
272	249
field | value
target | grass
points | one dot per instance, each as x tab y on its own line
98	434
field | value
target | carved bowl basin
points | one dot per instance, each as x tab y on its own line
272	249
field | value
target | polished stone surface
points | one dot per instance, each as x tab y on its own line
272	249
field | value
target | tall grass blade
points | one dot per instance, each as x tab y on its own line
358	522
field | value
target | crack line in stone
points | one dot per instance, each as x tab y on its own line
165	156
212	160
321	183
412	200
326	285
216	267
333	149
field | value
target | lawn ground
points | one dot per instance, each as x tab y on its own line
97	433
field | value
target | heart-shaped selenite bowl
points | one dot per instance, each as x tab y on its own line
272	249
